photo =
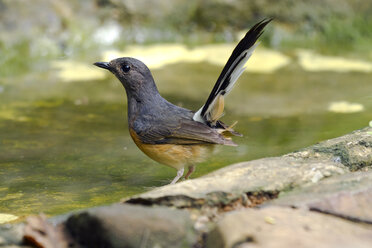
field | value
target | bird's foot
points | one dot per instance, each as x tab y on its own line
179	175
190	171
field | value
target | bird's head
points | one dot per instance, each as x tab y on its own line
132	73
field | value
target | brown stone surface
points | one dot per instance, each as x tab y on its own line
119	225
348	196
353	150
263	175
286	227
124	225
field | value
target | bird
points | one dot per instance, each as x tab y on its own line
172	135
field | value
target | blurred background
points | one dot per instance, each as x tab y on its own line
64	142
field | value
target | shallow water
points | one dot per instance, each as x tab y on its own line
65	145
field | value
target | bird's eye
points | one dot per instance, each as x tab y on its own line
126	68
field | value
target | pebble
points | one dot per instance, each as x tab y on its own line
269	220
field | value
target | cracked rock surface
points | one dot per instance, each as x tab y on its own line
348	196
286	227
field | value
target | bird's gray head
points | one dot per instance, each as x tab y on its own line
133	74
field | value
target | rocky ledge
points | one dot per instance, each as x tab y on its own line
320	196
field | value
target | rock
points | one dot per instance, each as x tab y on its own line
132	226
264	176
269	176
348	196
287	228
119	225
254	182
353	150
11	234
39	232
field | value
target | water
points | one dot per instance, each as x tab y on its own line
66	146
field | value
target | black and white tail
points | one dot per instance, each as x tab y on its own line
212	110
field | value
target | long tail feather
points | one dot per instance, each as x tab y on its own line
231	72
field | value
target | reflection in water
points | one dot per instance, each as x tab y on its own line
66	146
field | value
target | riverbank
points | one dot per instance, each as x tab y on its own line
45	30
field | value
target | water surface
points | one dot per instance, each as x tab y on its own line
65	145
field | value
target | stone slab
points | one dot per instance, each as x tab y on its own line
277	227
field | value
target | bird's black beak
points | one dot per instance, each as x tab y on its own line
104	65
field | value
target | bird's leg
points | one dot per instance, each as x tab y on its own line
179	175
190	171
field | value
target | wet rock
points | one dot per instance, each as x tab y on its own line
286	227
347	196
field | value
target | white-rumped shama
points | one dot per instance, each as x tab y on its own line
172	135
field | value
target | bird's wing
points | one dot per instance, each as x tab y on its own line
183	132
212	110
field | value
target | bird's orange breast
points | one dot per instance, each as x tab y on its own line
176	156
